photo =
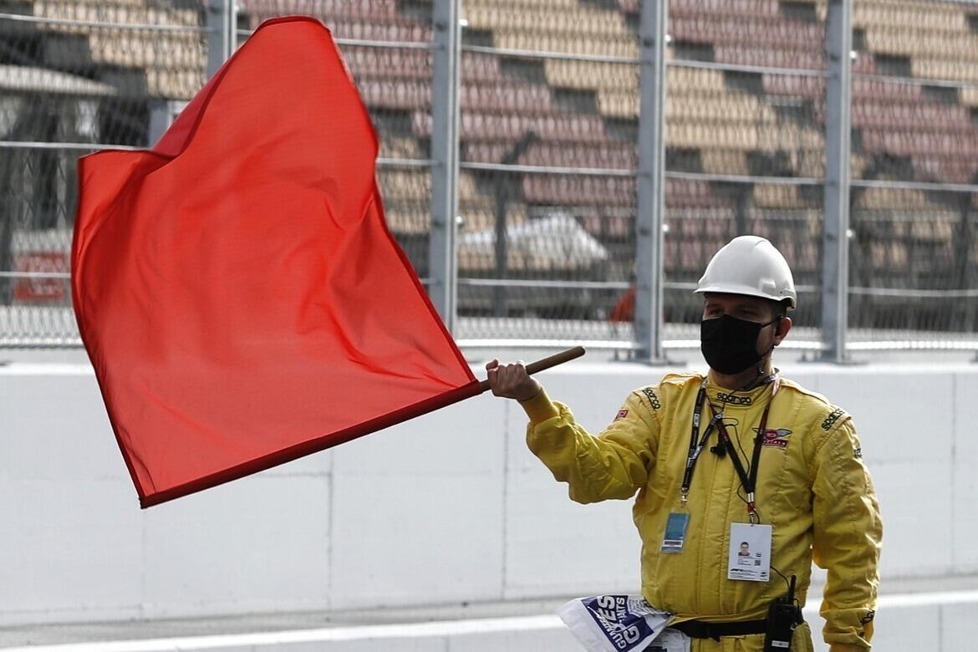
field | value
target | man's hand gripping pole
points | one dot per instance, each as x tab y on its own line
544	363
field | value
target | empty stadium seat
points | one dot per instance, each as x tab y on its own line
506	97
392	31
732	8
746	30
611	155
510	128
592	75
694	236
371	11
121	35
567	190
770	57
388	63
395	93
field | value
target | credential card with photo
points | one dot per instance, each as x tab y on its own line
749	557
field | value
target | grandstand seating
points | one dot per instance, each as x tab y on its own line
388	63
704	113
896	117
583	113
578	190
901	27
506	97
161	62
901	119
693	234
717	29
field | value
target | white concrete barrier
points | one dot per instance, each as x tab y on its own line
447	509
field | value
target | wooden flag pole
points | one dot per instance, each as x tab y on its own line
545	363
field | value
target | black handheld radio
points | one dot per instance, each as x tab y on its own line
783	616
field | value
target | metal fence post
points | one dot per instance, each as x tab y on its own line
442	261
221	33
650	200
835	240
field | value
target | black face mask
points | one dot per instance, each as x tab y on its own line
729	344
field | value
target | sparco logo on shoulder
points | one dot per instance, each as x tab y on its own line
653	399
733	399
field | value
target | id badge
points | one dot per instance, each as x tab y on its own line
749	557
675	535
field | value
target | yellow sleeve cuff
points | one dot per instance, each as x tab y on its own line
540	407
843	647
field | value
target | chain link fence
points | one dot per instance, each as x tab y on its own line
74	77
549	108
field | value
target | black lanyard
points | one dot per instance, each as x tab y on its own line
696	442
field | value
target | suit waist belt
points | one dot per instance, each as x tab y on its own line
700	629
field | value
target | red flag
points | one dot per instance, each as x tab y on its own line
236	287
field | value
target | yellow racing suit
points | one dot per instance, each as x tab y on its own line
812	488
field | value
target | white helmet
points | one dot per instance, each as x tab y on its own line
749	265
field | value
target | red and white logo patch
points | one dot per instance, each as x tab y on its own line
777	438
621	414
